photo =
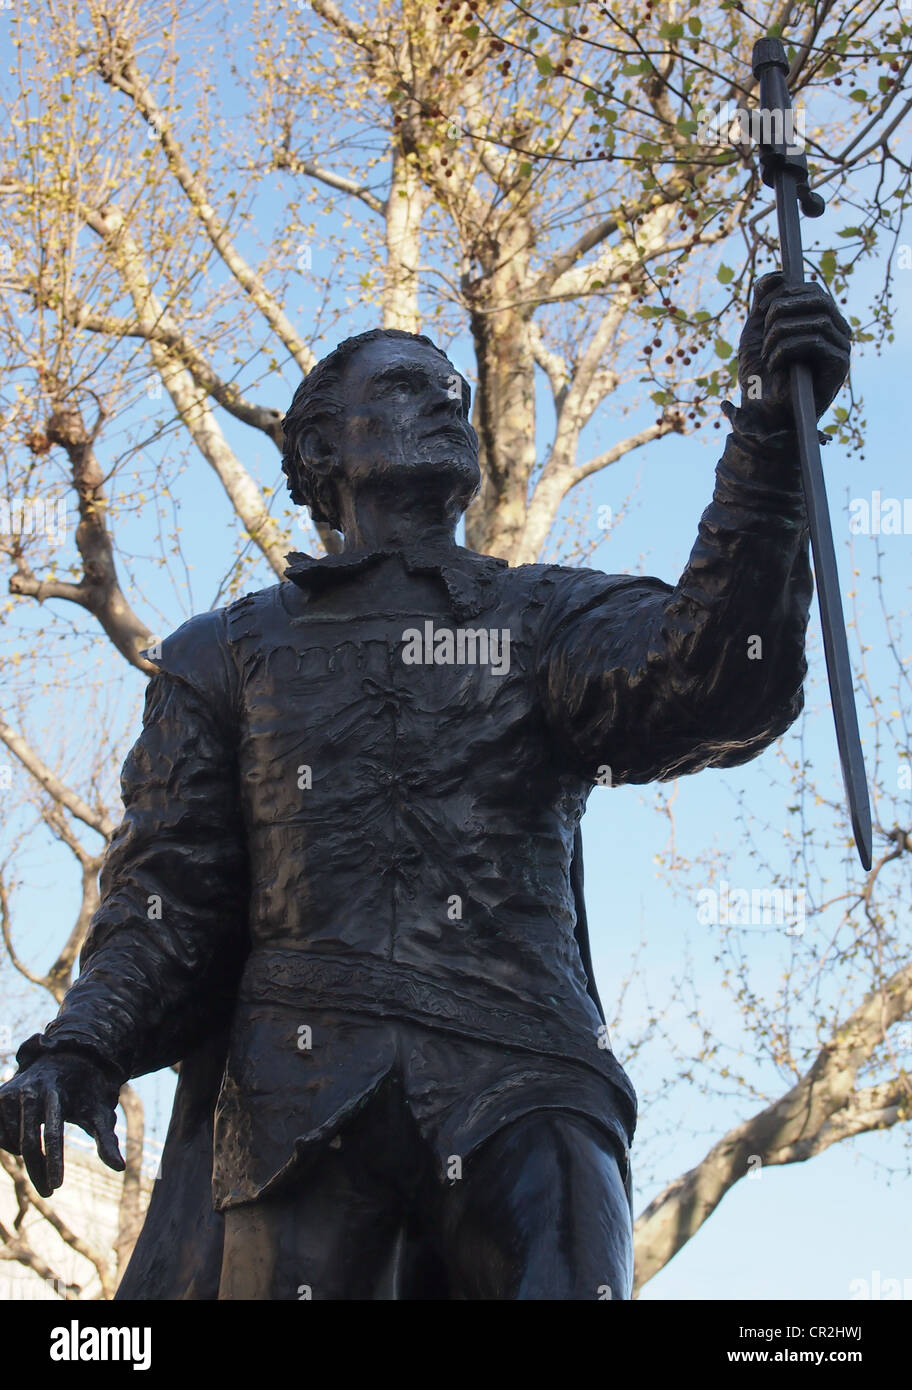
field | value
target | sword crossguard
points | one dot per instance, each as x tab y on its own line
770	66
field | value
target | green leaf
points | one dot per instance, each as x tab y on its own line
660	397
723	349
849	231
544	65
525	169
695	25
859	94
685	126
828	265
471	32
671	31
725	275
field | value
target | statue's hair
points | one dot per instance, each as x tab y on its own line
315	404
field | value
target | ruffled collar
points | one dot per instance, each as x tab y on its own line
466	575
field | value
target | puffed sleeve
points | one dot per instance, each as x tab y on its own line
641	681
164	950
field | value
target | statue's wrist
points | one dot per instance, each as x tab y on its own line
773	427
760	467
40	1048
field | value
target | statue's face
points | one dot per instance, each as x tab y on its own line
406	421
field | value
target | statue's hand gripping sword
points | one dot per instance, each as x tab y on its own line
784	168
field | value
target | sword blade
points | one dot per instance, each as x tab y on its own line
826	570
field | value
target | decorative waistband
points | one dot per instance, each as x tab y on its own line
384	989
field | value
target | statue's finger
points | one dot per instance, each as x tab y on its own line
101	1129
53	1138
768	284
813	303
31	1117
823	329
823	358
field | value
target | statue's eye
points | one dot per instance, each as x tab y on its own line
400	383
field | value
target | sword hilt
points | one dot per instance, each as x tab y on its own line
770	66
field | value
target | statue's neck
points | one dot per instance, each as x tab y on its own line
369	524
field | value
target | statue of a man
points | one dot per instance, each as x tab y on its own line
346	892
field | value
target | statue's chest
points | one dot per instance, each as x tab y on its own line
412	687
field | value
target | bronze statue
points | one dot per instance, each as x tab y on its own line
346	894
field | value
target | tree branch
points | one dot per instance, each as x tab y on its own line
117	68
190	400
822	1108
99	590
28	1197
21	749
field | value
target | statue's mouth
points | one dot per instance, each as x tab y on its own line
449	432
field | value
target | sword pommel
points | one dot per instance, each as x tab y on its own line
768	53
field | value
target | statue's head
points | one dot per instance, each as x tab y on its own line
385	411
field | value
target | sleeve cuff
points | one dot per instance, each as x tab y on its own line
759	470
39	1046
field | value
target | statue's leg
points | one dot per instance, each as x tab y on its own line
332	1233
541	1213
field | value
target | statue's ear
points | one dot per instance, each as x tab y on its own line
317	453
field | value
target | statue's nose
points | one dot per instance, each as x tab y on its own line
445	402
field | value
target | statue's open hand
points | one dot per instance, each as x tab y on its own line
786	326
51	1091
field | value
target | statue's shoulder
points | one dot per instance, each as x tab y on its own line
249	615
190	648
569	583
558	596
200	652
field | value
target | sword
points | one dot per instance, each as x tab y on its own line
784	168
